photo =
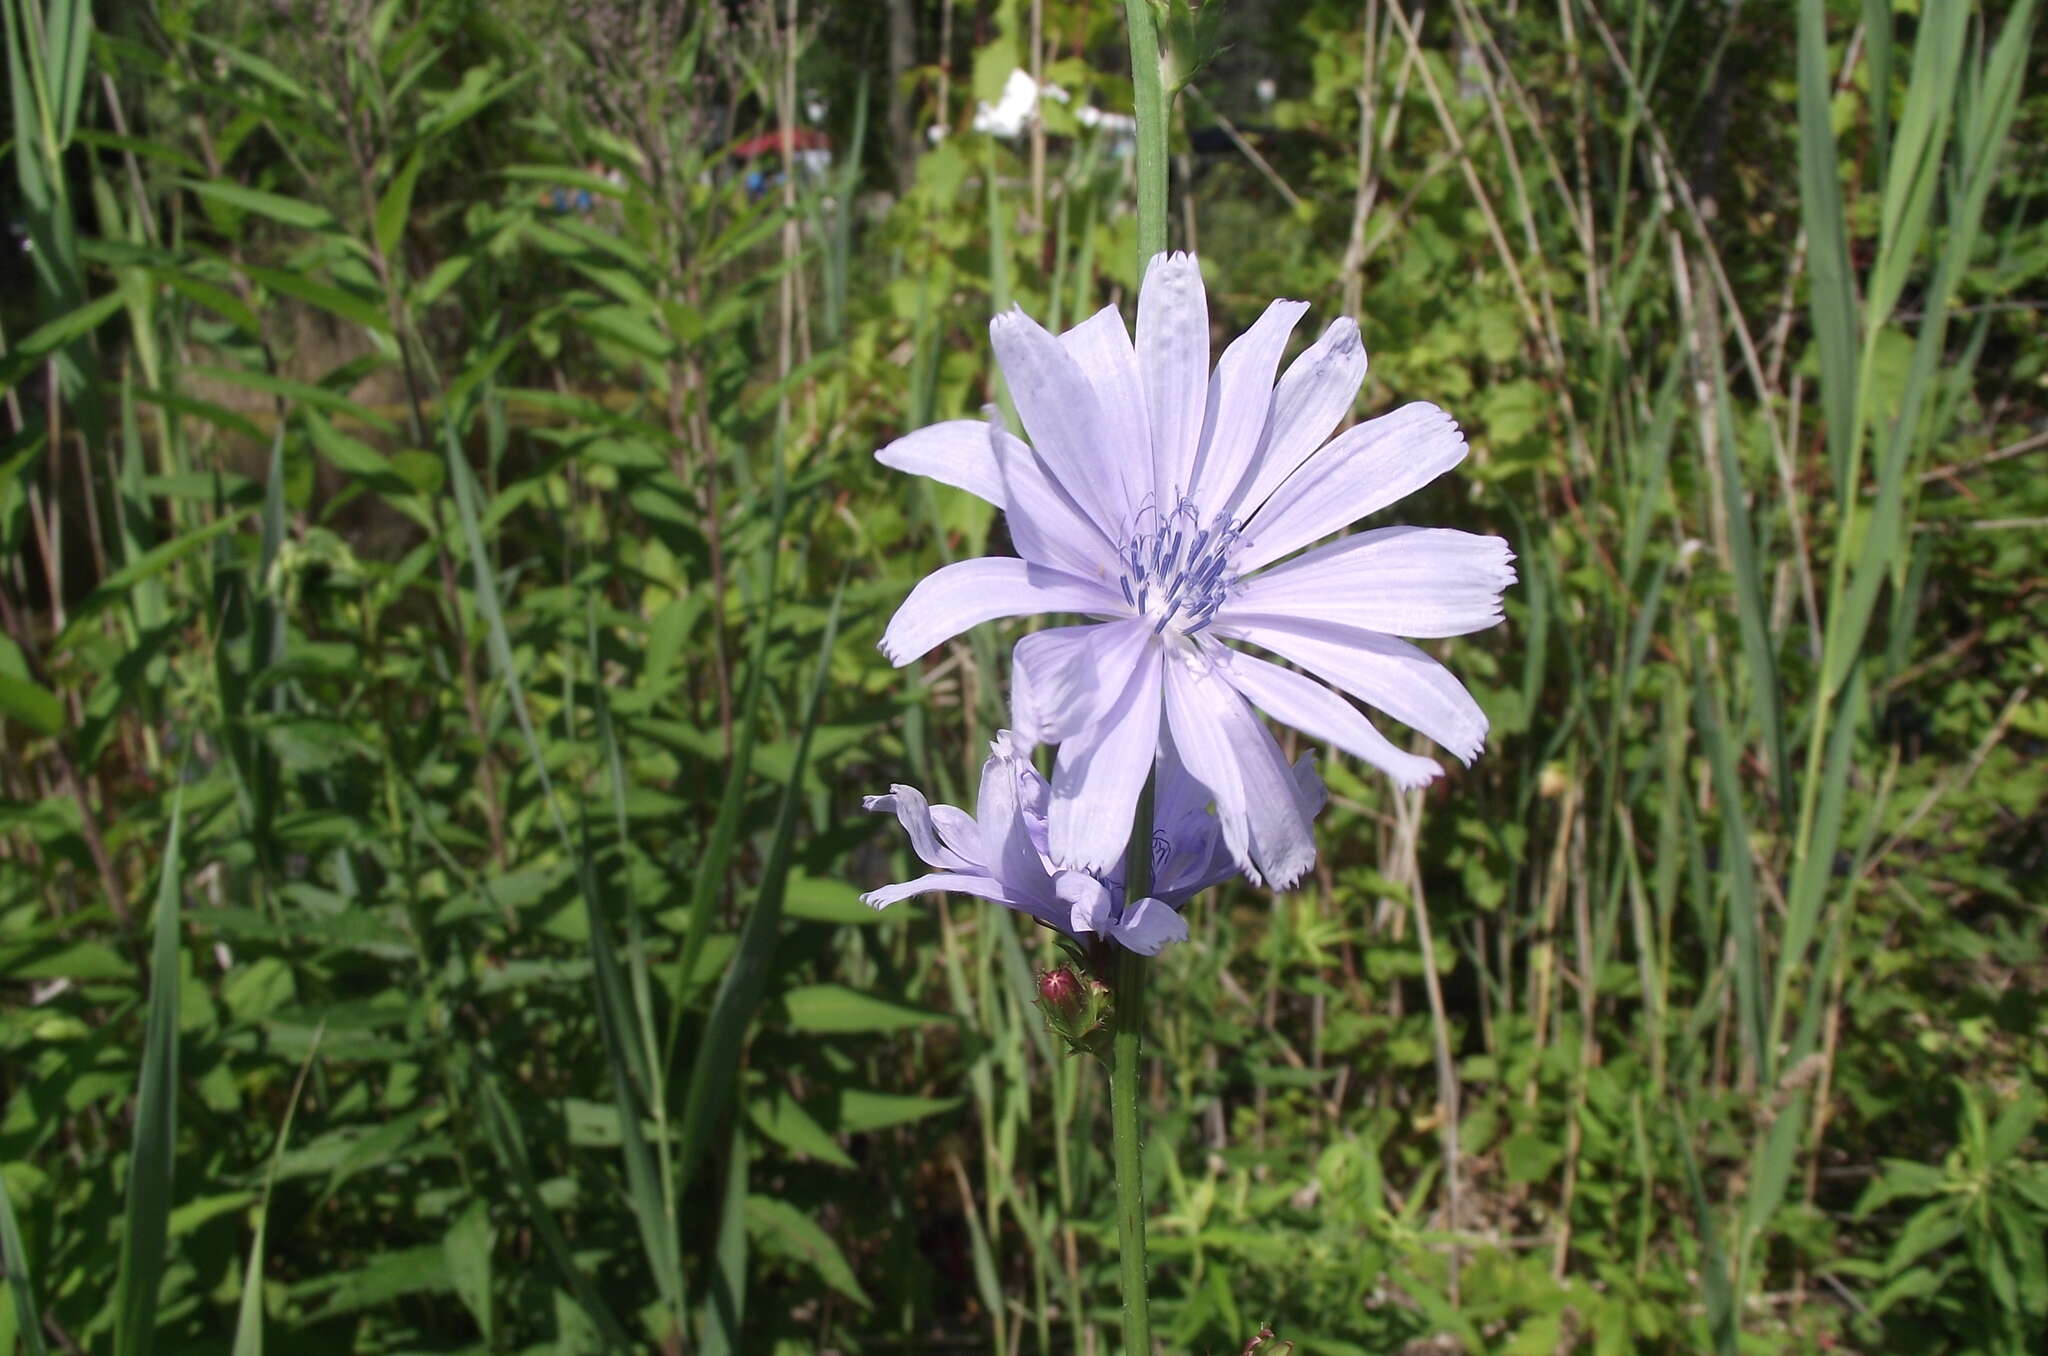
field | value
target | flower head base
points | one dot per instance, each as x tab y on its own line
1161	499
1000	853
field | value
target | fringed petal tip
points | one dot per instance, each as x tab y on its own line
872	899
1011	744
1174	261
1287	882
884	804
1011	319
1412	777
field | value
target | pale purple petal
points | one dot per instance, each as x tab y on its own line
1069	674
1187	842
957	831
1360	471
1230	752
914	813
968	592
1173	361
1087	900
1099	773
1006	846
938	882
1045	522
1240	402
1403	581
1027	712
1313	395
1063	417
1322	715
954	453
1148	926
1204	861
1309	792
1049	669
1380	671
1102	347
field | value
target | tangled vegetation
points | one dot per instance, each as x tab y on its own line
441	559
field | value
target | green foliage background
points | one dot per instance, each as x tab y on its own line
437	681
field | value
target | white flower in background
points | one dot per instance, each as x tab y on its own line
1017	108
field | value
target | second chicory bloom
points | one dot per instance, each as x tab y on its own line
1001	853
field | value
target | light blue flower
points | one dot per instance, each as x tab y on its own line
1000	852
1156	497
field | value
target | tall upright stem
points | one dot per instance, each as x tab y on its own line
1127	1023
1128	1016
1149	103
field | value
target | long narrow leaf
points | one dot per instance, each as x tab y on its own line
151	1159
712	1068
20	1280
249	1315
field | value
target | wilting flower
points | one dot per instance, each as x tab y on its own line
1000	852
1154	496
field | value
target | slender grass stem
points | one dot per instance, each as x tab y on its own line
1126	1136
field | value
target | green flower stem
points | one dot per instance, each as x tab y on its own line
1127	1023
1149	102
1127	1019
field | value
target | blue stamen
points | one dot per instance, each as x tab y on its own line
1185	564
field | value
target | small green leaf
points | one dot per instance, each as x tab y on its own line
783	1119
31	703
467	1249
861	1110
834	1009
305	216
395	206
782	1229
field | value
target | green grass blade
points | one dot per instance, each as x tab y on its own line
1814	870
1751	608
20	1280
645	1192
615	1019
152	1158
502	1129
1737	868
725	1307
249	1313
711	869
1723	1326
718	1050
1832	300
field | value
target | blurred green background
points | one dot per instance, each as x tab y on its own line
440	563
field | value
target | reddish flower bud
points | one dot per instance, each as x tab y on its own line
1060	989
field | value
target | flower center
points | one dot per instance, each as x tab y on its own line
1176	573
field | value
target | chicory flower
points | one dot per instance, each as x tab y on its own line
1160	498
1000	852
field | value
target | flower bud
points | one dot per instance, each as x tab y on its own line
1076	1007
1060	990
